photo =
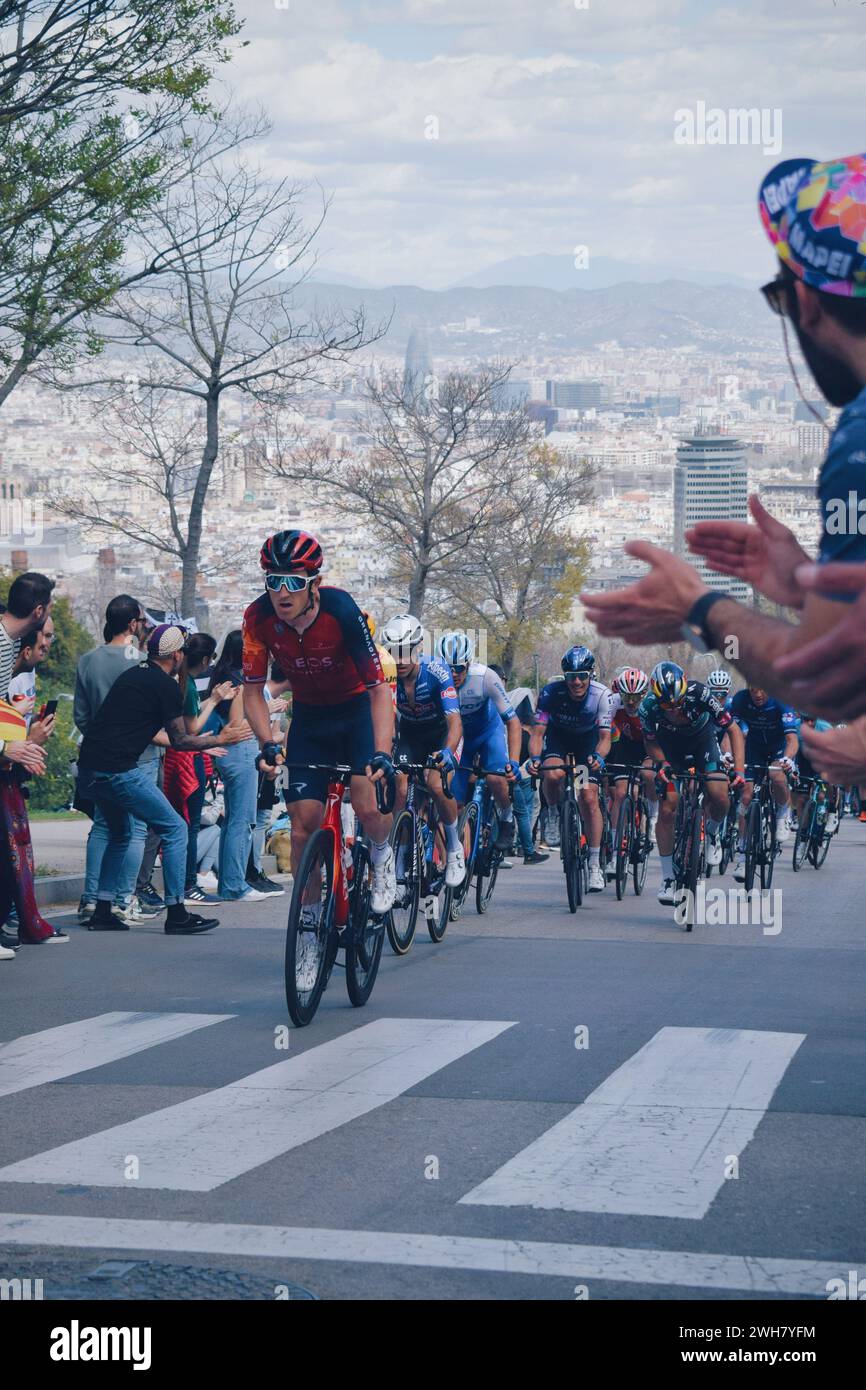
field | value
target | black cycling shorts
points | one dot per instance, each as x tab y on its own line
682	750
415	742
628	753
558	742
327	734
759	755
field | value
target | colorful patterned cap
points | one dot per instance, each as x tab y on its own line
165	639
815	215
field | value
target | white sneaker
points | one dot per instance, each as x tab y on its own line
595	883
667	892
714	851
252	895
127	913
86	909
740	869
384	884
455	867
6	954
208	882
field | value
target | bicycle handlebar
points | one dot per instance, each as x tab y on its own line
429	766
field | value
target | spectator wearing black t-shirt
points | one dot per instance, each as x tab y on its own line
142	701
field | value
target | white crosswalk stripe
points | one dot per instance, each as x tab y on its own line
654	1139
55	1053
749	1273
201	1143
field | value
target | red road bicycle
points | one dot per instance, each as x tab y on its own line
330	907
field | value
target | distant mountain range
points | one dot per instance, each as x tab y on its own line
560	273
671	314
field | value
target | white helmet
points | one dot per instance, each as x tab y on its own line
719	680
401	633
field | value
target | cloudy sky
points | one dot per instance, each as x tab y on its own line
555	123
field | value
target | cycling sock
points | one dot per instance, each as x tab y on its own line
452	839
667	863
379	853
593	854
713	827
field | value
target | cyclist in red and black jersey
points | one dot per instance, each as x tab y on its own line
627	746
342	710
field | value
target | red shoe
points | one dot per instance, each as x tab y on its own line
862	818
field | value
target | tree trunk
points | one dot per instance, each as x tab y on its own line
196	511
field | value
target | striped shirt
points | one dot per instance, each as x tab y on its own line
8	652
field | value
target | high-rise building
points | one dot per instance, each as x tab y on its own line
710	484
576	395
418	369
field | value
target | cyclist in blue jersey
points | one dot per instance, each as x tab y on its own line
806	773
573	715
491	729
771	731
428	725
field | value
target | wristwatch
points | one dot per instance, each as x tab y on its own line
694	630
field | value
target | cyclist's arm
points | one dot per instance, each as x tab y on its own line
455	730
655	750
514	734
536	738
382	713
255	708
738	746
792	744
602	748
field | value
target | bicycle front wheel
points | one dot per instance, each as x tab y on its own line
466	833
311	938
366	935
571	854
641	846
487	865
768	842
625	831
403	917
753	842
803	837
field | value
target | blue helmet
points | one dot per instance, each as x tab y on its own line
578	659
455	649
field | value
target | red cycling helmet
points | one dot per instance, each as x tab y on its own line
292	550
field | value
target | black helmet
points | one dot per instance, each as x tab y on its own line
668	683
291	550
578	659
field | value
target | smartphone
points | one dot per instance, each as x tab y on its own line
48	709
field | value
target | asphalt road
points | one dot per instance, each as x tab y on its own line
543	1106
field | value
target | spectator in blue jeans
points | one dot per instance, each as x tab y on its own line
238	771
97	671
142	701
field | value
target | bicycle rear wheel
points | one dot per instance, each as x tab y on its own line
819	846
403	917
571	854
311	937
366	935
625	834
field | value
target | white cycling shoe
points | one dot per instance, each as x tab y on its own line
595	882
455	867
667	892
384	885
783	830
714	851
740	869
